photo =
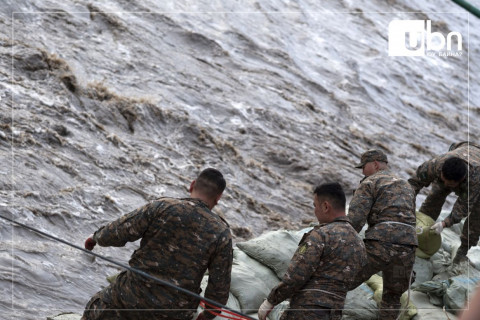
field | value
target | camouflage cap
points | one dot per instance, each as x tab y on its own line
372	155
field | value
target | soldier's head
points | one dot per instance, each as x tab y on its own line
454	171
329	202
372	161
208	187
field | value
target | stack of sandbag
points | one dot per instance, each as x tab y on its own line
258	265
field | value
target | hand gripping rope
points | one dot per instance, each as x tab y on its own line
230	314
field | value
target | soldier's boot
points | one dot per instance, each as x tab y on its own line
460	255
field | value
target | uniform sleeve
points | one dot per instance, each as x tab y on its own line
361	204
302	266
459	211
128	228
425	174
219	270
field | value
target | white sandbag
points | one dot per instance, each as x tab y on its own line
427	311
423	271
474	257
359	304
459	291
299	234
232	302
457	228
251	281
274	249
434	289
449	240
278	310
441	261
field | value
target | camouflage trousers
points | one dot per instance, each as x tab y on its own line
110	304
302	312
396	263
432	206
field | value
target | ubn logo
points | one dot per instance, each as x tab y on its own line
419	39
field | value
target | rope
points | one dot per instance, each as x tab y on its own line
210	302
408	297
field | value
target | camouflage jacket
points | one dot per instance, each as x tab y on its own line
327	259
181	239
468	191
387	203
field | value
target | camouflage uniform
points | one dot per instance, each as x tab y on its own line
181	239
387	203
468	191
318	276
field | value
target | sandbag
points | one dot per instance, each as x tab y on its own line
274	249
359	304
232	302
449	240
441	261
474	257
435	290
428	241
423	271
376	283
459	291
251	281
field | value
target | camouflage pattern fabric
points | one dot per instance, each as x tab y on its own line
468	192
306	312
181	239
320	272
396	263
387	203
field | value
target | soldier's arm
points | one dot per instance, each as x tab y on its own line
219	270
425	174
127	228
302	266
459	211
361	204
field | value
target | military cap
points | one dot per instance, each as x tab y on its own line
371	155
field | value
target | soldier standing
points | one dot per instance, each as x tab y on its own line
181	239
457	171
326	260
387	203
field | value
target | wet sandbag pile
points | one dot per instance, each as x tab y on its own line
448	286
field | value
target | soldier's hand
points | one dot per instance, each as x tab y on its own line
264	310
437	227
202	316
90	243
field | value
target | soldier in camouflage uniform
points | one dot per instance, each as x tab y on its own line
327	258
181	239
387	203
457	171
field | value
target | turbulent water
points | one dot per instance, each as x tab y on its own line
106	105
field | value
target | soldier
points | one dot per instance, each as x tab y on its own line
387	203
327	258
181	239
458	170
